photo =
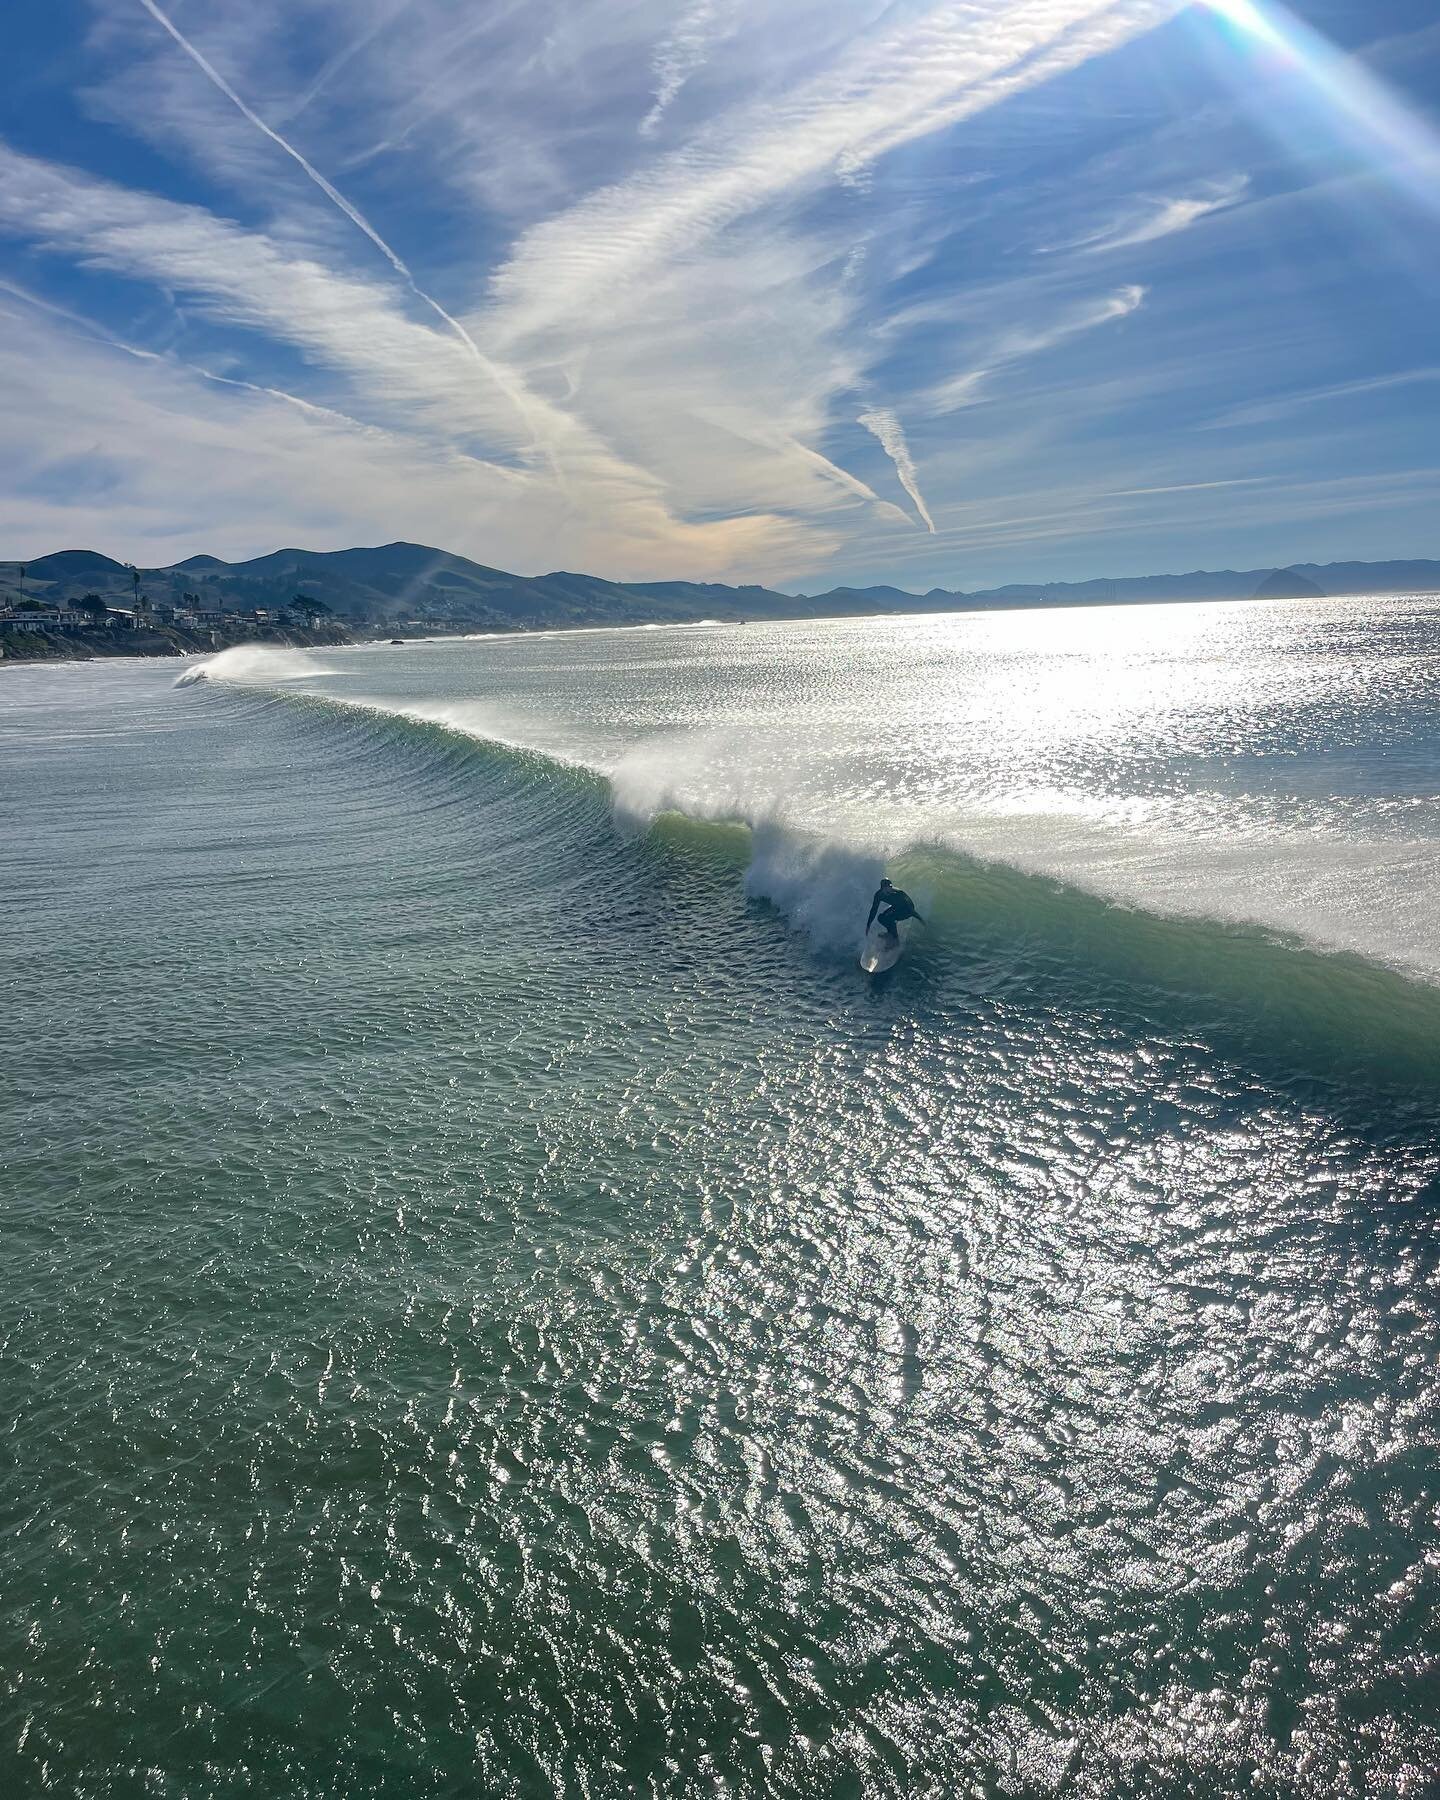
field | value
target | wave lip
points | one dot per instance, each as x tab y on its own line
1015	933
255	665
981	883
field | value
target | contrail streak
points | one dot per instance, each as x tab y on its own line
88	326
881	423
333	194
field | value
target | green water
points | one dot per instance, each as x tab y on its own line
490	1307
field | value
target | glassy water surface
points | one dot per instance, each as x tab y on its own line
496	1302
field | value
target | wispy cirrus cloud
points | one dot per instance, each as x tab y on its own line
1184	487
593	357
652	288
1281	406
683	53
905	80
415	381
245	278
331	193
1016	344
1152	217
882	424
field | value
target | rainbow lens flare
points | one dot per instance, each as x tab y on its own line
1362	111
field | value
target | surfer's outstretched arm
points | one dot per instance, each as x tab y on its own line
874	908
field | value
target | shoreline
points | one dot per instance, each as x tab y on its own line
343	637
164	643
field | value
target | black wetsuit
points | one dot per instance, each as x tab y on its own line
892	904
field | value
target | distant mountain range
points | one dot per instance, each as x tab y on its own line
409	586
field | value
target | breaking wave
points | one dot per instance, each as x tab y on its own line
1005	926
255	665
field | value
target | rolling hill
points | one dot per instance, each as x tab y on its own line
413	587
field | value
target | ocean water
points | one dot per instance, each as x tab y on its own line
495	1302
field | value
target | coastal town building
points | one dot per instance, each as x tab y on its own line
17	620
190	625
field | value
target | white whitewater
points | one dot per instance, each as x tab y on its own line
1275	763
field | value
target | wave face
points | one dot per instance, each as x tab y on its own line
1271	765
496	1302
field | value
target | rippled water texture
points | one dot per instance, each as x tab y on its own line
496	1303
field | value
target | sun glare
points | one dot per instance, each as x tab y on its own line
1360	109
1245	15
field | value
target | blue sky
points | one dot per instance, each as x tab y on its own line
799	291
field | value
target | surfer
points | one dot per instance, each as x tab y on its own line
892	904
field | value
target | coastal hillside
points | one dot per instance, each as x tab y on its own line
400	587
415	588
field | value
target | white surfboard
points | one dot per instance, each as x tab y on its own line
880	951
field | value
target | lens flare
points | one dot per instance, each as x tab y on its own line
1247	16
1360	110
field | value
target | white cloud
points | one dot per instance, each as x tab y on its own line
657	353
903	81
240	468
331	193
1024	341
1184	487
239	277
882	424
1145	221
415	381
1266	412
683	52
